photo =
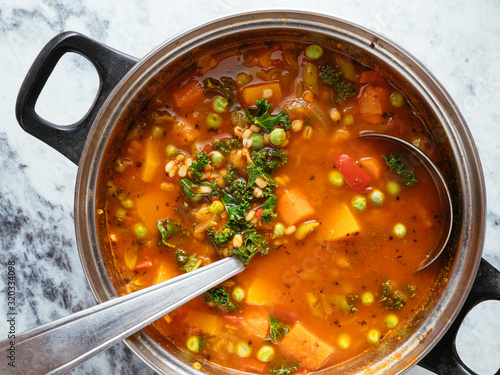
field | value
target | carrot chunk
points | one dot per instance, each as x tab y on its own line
372	166
207	323
151	160
189	95
356	178
373	102
339	223
269	90
255	323
294	207
259	293
305	347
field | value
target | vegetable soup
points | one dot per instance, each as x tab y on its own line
254	152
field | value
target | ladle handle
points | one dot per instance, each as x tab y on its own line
56	347
111	65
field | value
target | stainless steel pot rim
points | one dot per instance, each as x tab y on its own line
471	176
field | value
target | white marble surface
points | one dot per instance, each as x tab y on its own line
459	41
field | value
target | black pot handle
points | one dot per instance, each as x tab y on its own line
111	66
443	359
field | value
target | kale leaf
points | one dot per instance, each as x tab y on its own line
285	368
393	300
236	209
222	237
187	262
225	145
277	330
253	243
171	233
199	165
220	297
330	77
396	163
260	116
268	209
195	192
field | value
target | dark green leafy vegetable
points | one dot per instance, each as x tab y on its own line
277	330
393	300
197	167
194	192
225	145
187	262
264	164
329	76
238	189
171	233
268	209
253	243
220	297
396	163
222	237
236	210
285	368
225	86
260	116
231	176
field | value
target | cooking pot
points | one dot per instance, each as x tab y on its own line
126	84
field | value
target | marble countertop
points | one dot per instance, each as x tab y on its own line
459	41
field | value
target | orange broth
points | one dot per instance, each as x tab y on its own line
333	249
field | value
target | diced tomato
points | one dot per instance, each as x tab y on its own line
372	77
396	126
233	318
189	95
354	175
258	213
373	102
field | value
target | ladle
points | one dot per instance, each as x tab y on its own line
417	157
56	347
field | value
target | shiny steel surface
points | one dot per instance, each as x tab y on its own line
395	355
418	157
74	339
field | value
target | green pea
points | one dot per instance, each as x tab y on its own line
193	344
348	119
367	298
359	202
277	136
243	79
314	52
399	230
393	187
397	99
257	140
238	294
377	197
140	231
121	213
171	151
128	203
219	104
336	178
214	120
156	132
119	166
279	229
216	157
391	321
217	207
373	336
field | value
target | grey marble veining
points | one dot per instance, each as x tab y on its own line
459	41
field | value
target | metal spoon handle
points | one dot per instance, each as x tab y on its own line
56	347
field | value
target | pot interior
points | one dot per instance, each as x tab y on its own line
410	341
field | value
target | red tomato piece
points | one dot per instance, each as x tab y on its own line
356	178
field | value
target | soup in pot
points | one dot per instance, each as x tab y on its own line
253	152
